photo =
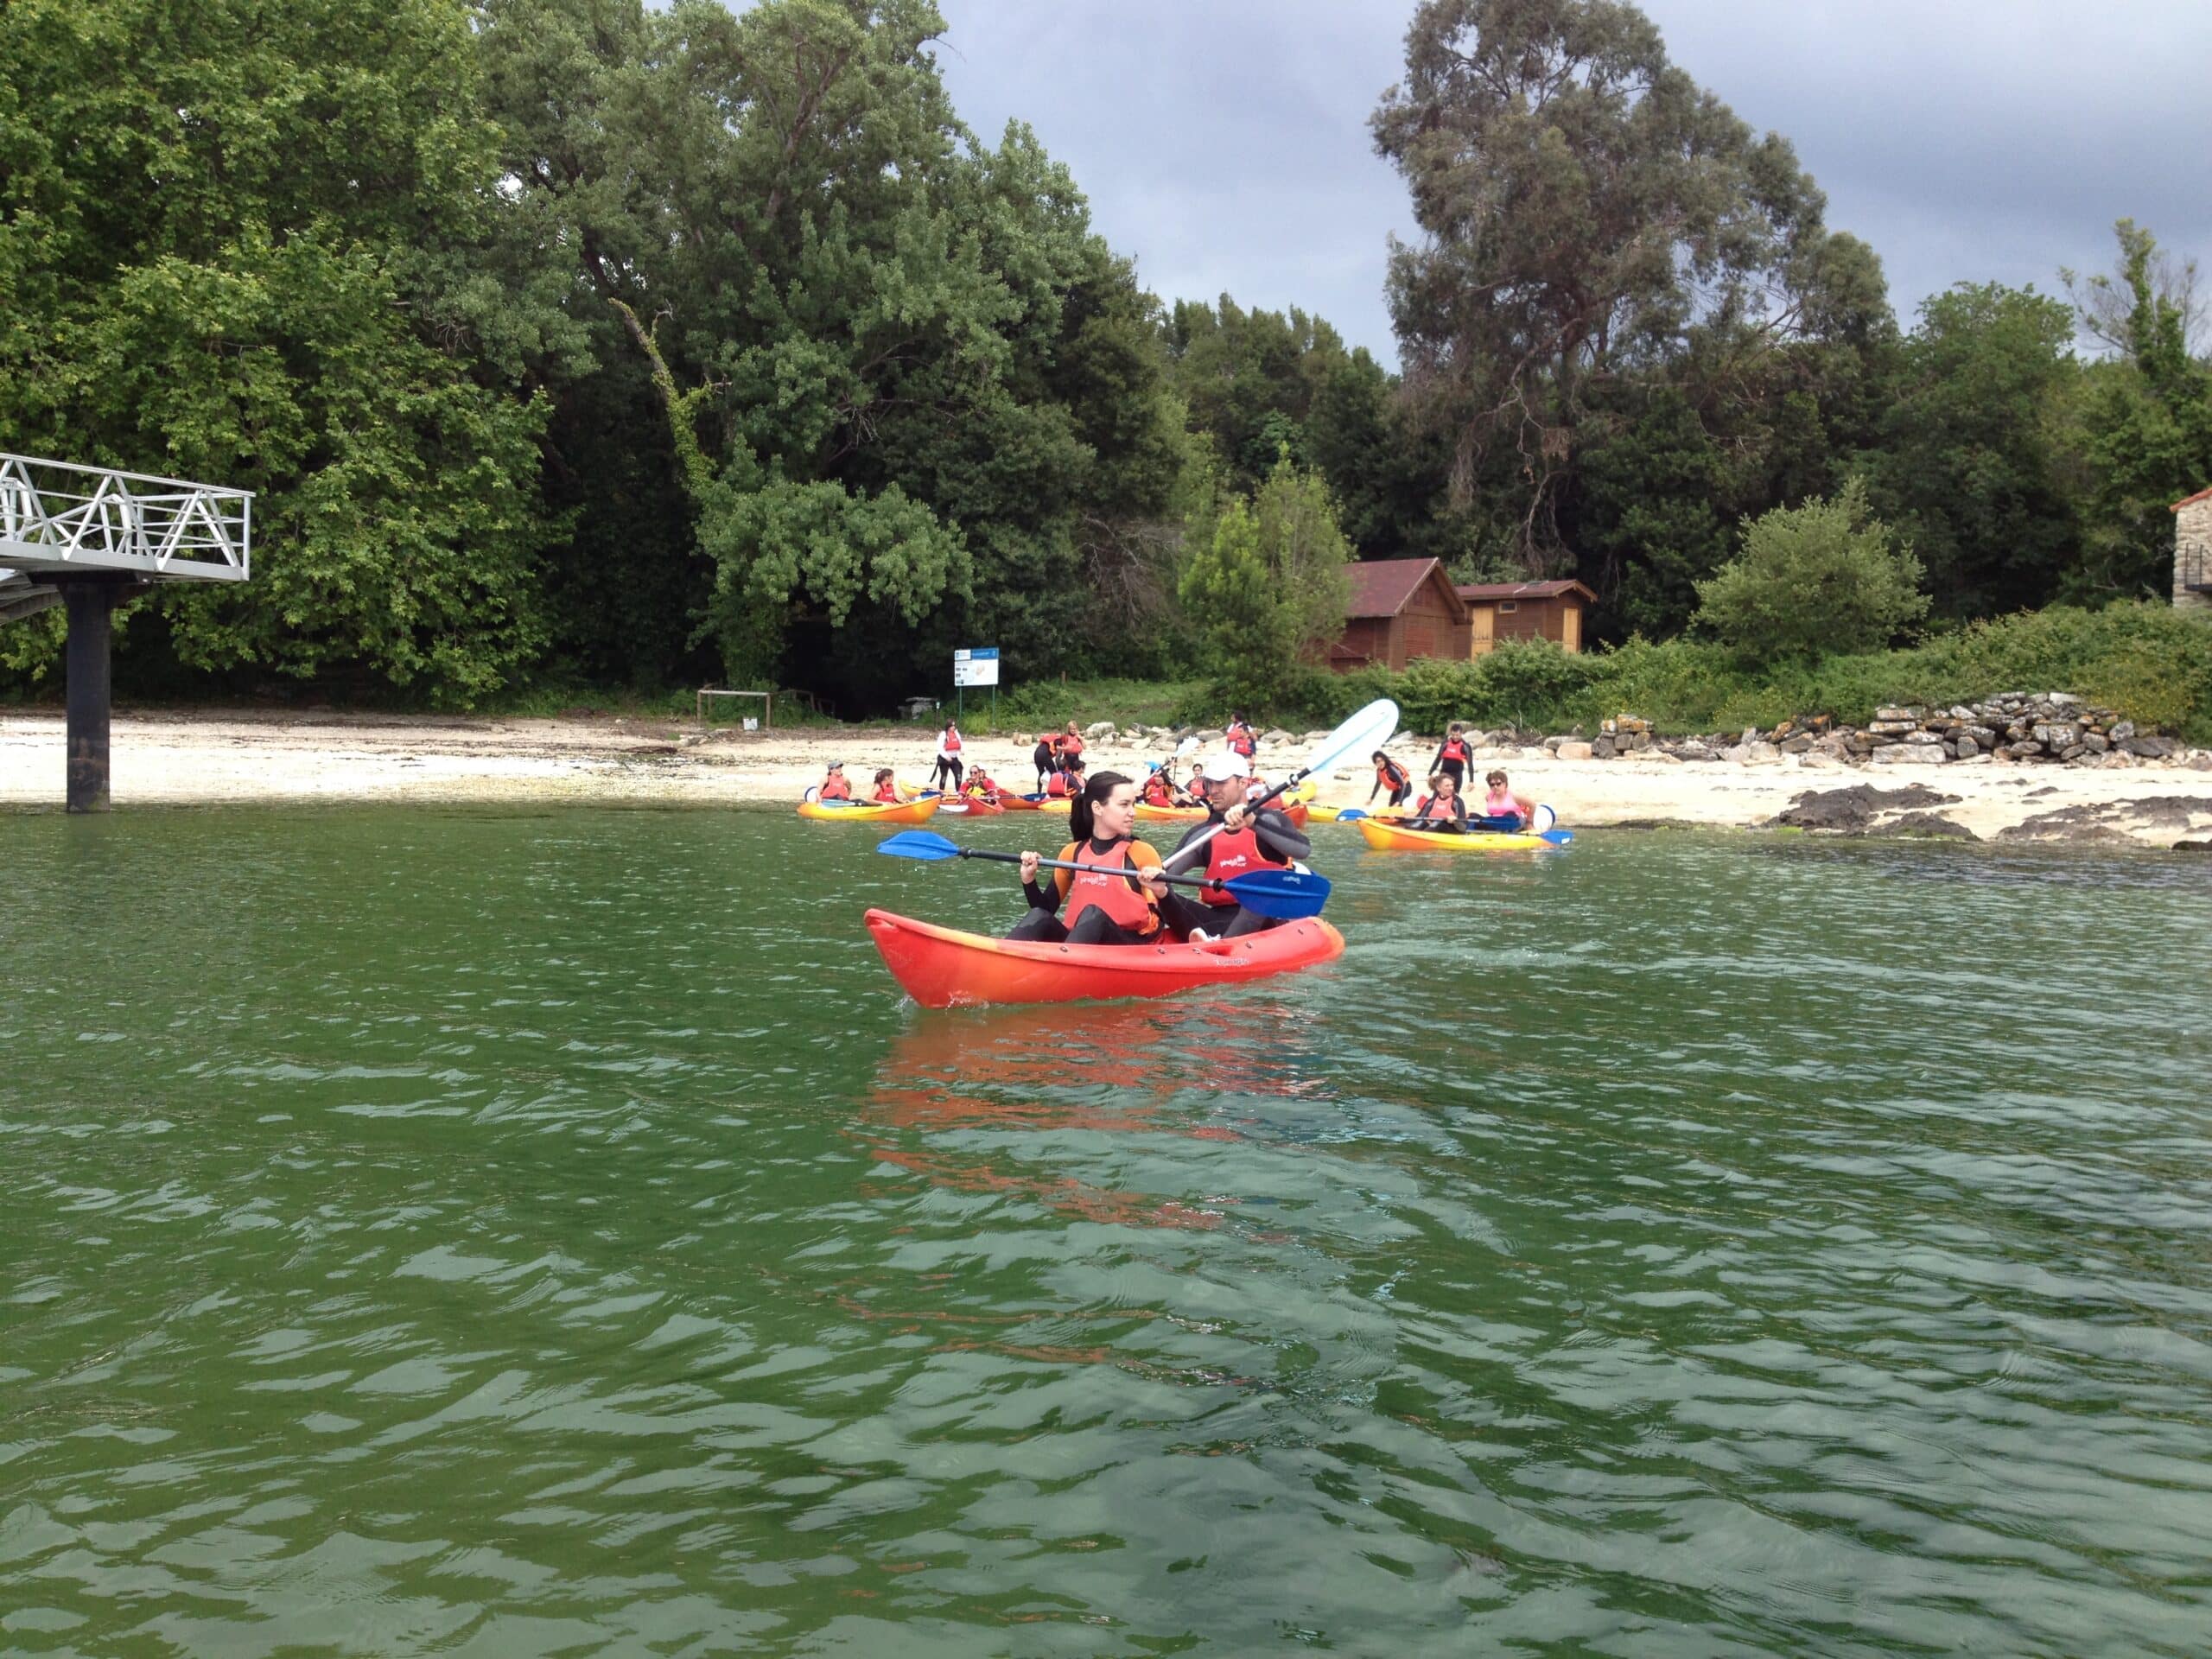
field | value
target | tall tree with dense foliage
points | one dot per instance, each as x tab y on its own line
1266	585
1970	465
231	236
2146	421
1588	211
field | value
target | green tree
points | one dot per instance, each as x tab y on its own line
2145	421
230	235
1589	212
1821	579
1266	586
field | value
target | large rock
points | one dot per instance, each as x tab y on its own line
1574	748
1911	754
1853	810
1099	728
1926	826
1756	753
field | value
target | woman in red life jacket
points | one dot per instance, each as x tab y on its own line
1441	808
948	757
1239	738
982	786
1452	759
1047	755
887	789
1117	905
834	786
1247	841
1070	744
1390	775
1501	804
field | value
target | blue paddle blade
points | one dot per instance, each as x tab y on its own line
1351	815
918	844
1287	895
1557	837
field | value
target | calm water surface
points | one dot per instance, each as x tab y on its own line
550	1233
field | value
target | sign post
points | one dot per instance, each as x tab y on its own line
978	666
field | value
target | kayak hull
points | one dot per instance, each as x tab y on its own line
972	809
1394	838
942	967
868	812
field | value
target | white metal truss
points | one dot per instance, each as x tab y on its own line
58	518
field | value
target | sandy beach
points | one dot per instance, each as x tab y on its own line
168	759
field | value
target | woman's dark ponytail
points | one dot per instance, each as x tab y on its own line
1079	814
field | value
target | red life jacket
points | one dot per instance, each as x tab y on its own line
1239	737
1455	748
1123	901
1234	854
1071	745
1390	775
1427	801
834	789
887	793
1157	792
950	743
1057	785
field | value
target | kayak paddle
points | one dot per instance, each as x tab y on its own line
1369	729
1287	895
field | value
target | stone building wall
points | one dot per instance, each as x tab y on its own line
2193	551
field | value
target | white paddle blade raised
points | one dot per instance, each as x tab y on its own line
1364	733
1546	819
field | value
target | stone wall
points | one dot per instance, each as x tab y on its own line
2193	554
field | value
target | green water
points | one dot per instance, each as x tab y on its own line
509	1233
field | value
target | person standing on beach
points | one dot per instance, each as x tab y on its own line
948	757
1047	755
1452	759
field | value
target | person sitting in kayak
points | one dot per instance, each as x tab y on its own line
1248	841
1119	905
1453	757
1441	809
1065	783
1047	755
1239	739
1503	809
888	792
1390	775
1160	789
982	786
834	786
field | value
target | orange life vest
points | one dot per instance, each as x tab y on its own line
834	789
1239	739
887	793
1455	748
1228	855
1119	896
1390	775
1057	785
950	743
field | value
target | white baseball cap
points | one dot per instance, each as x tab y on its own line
1223	766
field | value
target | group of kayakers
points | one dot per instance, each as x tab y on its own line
1120	897
1445	805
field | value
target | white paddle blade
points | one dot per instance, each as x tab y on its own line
1546	818
1365	732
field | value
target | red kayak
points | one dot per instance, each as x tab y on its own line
971	808
941	966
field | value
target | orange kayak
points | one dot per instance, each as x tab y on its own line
868	811
941	967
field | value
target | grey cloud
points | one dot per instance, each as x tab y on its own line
1226	144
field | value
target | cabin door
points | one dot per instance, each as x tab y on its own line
1485	638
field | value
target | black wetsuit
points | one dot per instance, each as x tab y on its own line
1279	838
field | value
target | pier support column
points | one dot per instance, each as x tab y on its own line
91	608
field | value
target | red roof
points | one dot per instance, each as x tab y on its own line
2190	500
1381	587
1475	590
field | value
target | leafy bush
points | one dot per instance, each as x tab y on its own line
1811	580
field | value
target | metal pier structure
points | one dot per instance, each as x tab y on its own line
86	537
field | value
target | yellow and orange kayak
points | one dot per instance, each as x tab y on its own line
868	811
1396	838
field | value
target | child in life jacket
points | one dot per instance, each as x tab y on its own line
887	789
834	786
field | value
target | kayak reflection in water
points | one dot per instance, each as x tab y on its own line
1103	908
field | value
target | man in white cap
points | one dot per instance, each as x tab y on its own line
1245	841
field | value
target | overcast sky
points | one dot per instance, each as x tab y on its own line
1224	142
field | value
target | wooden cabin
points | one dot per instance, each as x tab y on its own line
1400	609
1524	610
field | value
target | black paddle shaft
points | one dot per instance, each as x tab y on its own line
1102	869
